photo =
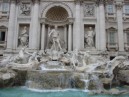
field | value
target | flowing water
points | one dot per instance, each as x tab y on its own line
24	92
52	66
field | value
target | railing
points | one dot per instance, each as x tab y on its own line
126	46
125	16
3	44
111	16
112	46
4	13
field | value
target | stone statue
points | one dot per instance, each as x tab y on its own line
54	35
33	56
74	58
89	37
24	37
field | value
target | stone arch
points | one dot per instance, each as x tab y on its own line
63	5
57	13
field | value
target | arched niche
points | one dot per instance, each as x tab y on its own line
63	5
57	14
60	15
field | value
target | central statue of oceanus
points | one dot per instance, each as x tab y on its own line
54	35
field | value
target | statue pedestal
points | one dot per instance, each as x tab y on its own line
54	55
90	49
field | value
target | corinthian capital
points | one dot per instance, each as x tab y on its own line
119	5
13	1
78	1
100	2
35	1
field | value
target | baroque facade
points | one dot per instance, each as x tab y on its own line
96	25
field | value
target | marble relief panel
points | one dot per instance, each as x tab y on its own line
89	10
24	9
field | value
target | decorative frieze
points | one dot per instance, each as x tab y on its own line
89	10
25	8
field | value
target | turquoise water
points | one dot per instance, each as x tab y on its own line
23	92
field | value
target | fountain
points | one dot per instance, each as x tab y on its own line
58	70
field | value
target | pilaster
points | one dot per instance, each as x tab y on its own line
70	37
102	25
35	34
11	27
77	26
43	37
119	6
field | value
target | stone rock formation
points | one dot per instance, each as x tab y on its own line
77	69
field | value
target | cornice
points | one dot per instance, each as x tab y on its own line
34	1
13	1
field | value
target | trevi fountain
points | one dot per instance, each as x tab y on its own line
56	69
64	48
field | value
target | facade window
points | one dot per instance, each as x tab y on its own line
127	38
126	9
110	9
2	36
5	6
112	38
112	42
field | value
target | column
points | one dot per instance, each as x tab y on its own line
65	36
34	39
70	37
97	29
49	28
11	27
43	37
102	26
120	26
77	27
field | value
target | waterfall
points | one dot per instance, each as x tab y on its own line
61	80
97	82
85	79
52	66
